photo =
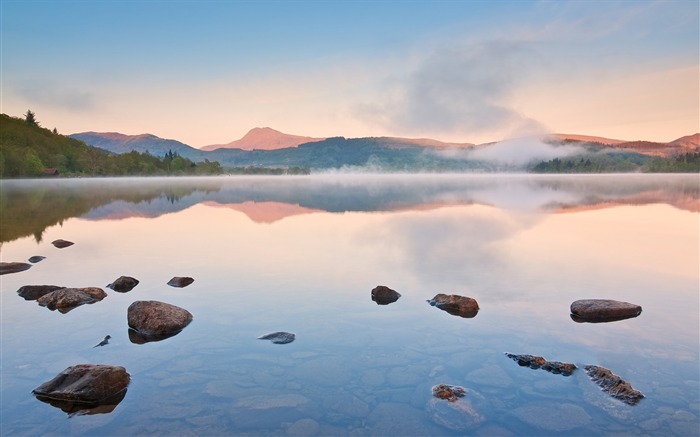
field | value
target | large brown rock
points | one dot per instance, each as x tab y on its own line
13	267
153	320
614	385
85	388
456	305
603	310
66	299
383	295
34	292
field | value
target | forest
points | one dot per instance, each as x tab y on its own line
29	150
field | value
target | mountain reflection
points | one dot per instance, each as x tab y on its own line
28	207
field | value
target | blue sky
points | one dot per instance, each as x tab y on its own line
205	72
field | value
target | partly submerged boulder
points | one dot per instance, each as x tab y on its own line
450	408
66	299
62	243
180	281
614	385
153	320
36	258
279	337
123	284
13	267
536	362
34	292
85	389
603	310
383	295
456	305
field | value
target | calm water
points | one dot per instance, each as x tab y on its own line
302	255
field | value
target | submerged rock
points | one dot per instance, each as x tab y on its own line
35	259
104	342
67	299
456	305
449	408
614	385
13	267
85	389
123	284
153	320
279	337
180	281
536	362
62	243
34	292
603	310
384	295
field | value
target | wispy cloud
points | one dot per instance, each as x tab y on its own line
55	95
460	90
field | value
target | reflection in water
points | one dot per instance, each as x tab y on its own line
29	207
77	408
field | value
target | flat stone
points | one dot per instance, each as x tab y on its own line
156	320
614	385
84	388
536	362
123	284
278	337
383	295
456	305
35	259
62	243
67	299
34	292
603	310
451	409
13	267
180	281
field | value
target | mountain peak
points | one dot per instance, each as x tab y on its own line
264	138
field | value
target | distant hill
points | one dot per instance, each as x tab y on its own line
119	143
263	138
28	150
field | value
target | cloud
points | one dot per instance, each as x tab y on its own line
460	90
52	94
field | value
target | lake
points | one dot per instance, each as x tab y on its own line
302	254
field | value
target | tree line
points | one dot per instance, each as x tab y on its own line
29	150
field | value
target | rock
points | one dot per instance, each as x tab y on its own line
603	310
614	385
456	305
13	267
123	284
85	389
62	243
449	392
34	292
452	410
154	321
279	337
35	259
384	295
535	362
66	299
180	281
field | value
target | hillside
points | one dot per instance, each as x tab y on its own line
28	150
263	138
144	143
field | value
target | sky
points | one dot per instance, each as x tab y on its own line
207	71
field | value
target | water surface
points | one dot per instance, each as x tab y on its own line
301	254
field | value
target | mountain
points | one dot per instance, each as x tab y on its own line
263	138
586	139
119	143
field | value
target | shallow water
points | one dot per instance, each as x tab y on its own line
301	254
